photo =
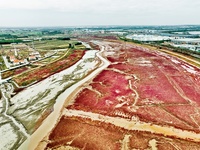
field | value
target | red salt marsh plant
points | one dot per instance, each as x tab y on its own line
141	84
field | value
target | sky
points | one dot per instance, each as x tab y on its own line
40	13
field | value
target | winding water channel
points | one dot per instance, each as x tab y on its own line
32	142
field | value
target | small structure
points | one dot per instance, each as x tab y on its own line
12	58
190	41
198	48
32	58
34	55
16	61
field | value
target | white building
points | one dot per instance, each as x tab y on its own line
190	41
147	37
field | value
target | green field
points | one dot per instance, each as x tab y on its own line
2	64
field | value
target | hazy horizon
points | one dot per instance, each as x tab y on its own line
96	26
65	13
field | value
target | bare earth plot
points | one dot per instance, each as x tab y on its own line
143	100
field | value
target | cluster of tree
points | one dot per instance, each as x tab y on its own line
130	40
78	43
10	41
182	50
8	36
64	38
71	45
49	32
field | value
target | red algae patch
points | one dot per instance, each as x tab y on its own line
140	83
143	100
190	115
109	90
83	133
157	115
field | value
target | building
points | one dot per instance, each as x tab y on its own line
34	55
32	58
18	62
12	58
198	48
190	41
15	61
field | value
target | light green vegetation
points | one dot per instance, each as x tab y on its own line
2	64
56	44
51	44
55	57
23	54
49	60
